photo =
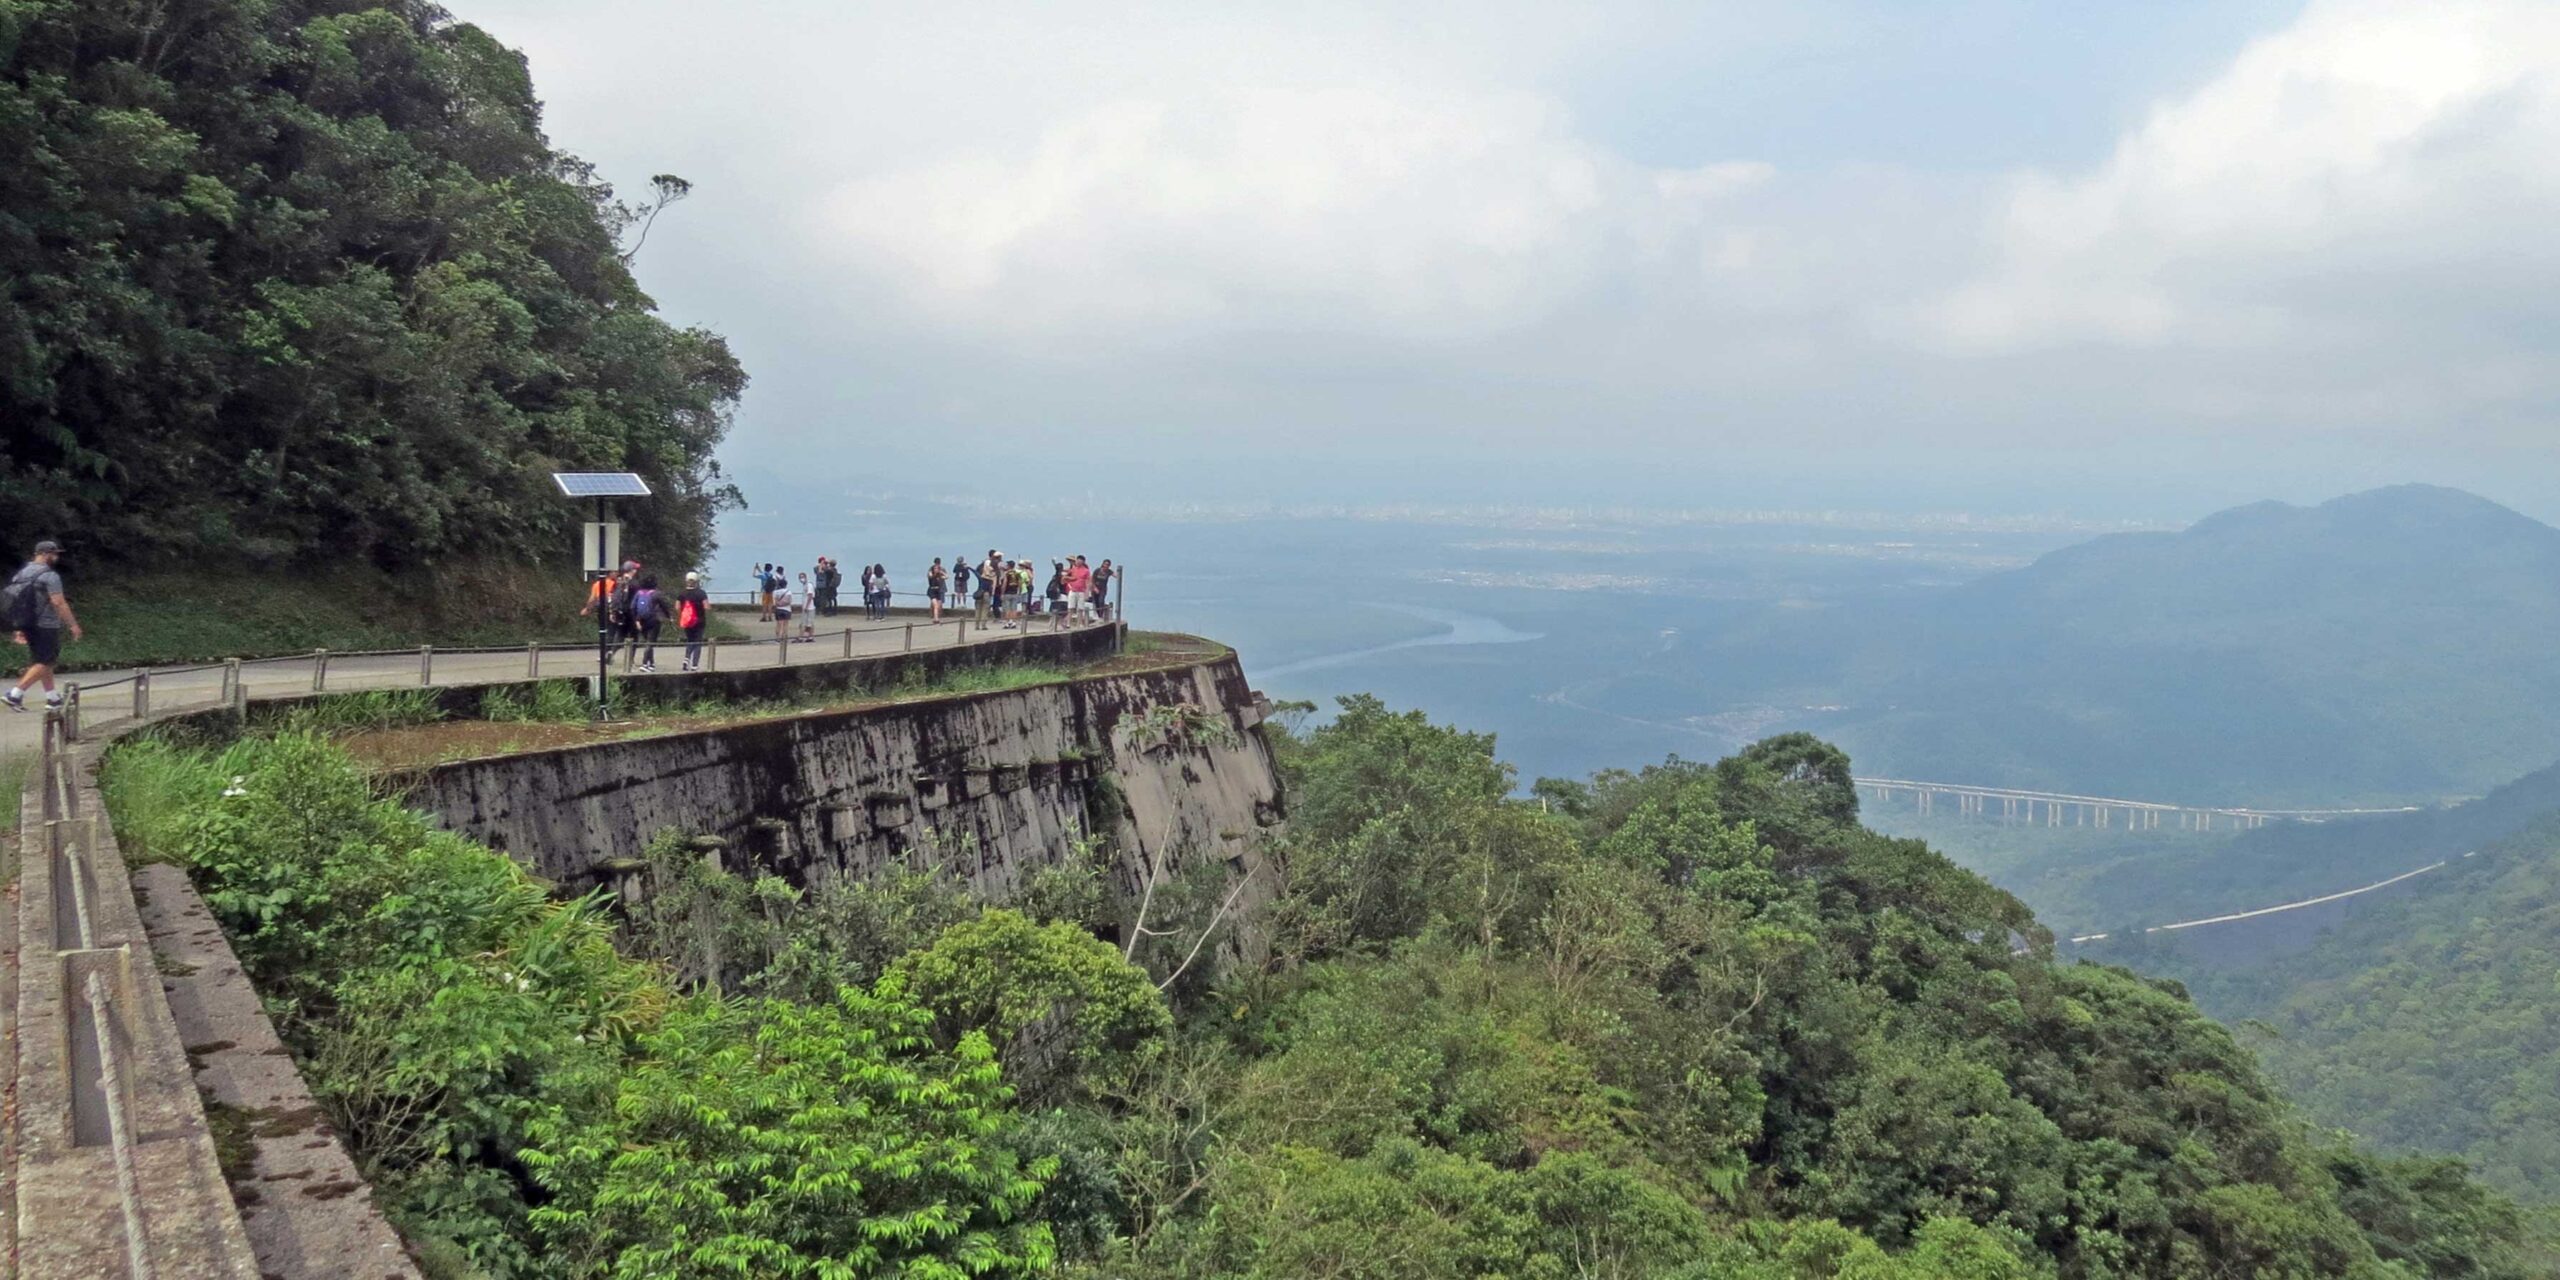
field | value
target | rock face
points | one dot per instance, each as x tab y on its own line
1170	766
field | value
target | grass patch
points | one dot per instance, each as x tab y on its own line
149	788
549	702
355	712
14	768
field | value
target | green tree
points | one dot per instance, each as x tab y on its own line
300	278
1068	1015
768	1138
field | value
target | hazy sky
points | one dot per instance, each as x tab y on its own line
2141	257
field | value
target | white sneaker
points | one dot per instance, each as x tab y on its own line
648	668
53	701
17	701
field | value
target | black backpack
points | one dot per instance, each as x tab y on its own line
19	602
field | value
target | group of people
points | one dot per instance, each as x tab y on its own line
1076	593
636	611
996	590
817	594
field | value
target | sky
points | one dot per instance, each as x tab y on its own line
2119	259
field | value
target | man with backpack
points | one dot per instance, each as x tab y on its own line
37	614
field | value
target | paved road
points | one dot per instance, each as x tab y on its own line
109	695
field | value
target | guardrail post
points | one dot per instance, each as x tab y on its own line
231	675
426	664
533	661
910	646
848	642
319	670
964	632
141	694
71	711
711	654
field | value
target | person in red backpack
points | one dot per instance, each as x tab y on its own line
693	617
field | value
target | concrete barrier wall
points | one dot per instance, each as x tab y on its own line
1170	764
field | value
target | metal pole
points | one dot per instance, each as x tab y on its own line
964	633
604	630
711	654
533	661
71	711
426	664
141	694
319	670
848	642
911	638
239	699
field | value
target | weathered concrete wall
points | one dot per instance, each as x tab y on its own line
992	786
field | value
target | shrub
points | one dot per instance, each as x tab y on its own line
1065	1010
767	1138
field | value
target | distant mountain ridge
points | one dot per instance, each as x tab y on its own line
2394	645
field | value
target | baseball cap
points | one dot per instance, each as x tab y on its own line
692	577
48	547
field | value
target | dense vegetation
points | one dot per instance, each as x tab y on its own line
2429	1022
2386	646
302	278
1691	1022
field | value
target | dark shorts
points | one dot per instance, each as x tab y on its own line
933	592
46	644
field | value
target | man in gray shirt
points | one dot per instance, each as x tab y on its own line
38	615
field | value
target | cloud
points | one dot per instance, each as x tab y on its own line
2374	178
1350	208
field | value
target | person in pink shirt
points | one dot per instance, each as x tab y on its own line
1079	581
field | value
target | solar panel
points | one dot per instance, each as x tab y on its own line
601	484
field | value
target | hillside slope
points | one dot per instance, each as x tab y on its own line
2386	646
2430	1022
2086	880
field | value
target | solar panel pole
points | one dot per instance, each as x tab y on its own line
597	561
604	629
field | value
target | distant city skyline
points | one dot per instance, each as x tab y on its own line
2121	260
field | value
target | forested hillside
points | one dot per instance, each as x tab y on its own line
2427	1023
302	278
2088	879
2390	646
1693	1023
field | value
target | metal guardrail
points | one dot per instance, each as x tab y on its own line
160	689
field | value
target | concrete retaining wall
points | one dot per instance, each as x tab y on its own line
1170	764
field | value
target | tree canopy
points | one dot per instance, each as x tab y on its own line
302	278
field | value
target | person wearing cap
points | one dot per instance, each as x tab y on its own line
693	617
43	619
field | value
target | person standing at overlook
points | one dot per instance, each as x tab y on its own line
1101	590
1079	584
959	582
936	580
38	614
693	617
